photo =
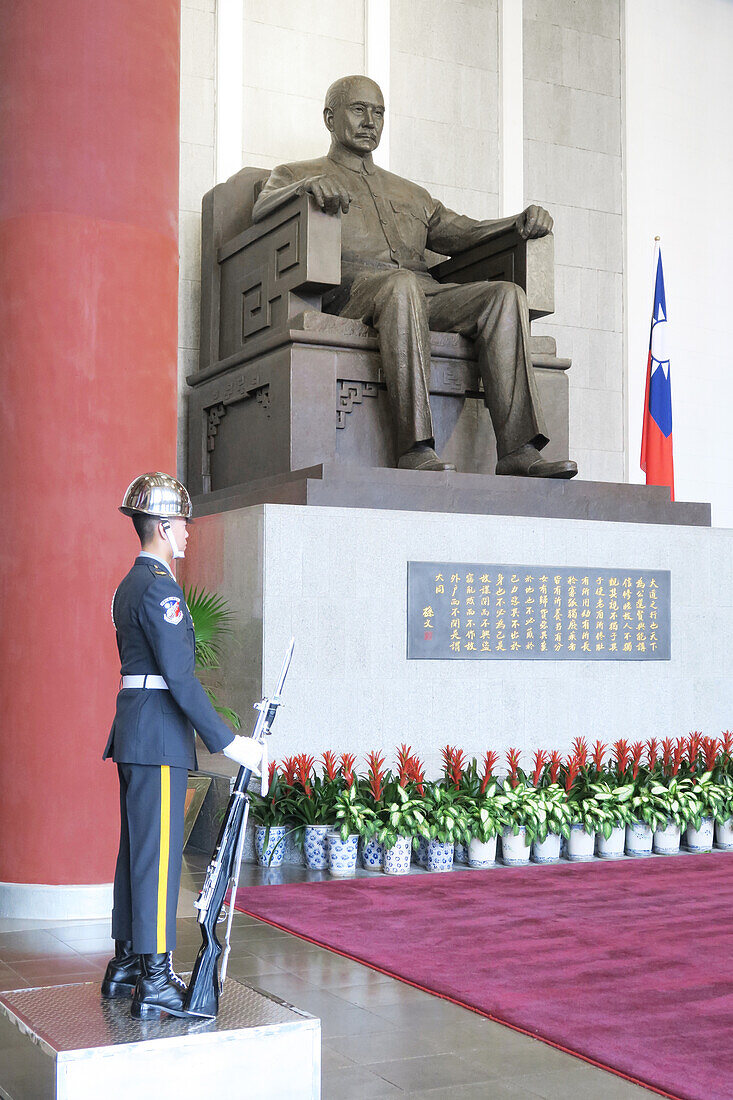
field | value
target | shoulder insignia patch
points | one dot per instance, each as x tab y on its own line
161	573
172	609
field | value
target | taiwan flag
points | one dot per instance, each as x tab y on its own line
656	434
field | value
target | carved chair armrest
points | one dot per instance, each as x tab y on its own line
271	271
506	256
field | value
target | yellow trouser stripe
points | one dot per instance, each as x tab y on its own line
165	828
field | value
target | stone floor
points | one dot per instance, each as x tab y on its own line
381	1038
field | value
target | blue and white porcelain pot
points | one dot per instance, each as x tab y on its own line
638	839
482	853
460	852
421	859
372	855
514	849
667	840
316	854
613	847
440	856
581	844
272	853
342	854
724	834
700	840
397	859
547	850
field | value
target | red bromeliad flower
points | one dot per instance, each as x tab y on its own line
621	755
305	764
726	742
694	744
710	747
677	754
348	760
330	764
652	750
572	769
637	750
540	759
456	767
580	750
512	759
491	759
599	751
416	772
271	773
404	753
376	774
289	768
666	754
555	762
447	754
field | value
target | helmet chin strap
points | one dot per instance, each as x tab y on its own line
177	552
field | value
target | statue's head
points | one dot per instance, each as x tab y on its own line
354	113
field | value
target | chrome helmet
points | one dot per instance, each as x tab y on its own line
157	494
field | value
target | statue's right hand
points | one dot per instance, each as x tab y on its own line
330	195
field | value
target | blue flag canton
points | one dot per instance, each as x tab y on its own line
660	386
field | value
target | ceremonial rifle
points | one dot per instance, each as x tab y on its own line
202	995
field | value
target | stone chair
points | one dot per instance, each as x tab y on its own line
283	386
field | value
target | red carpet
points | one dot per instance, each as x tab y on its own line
627	964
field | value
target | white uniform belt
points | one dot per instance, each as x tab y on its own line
149	681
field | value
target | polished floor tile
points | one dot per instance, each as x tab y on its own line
380	1037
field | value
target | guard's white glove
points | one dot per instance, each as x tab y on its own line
246	752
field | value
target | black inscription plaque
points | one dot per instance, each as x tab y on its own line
460	611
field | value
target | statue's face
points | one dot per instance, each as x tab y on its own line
358	120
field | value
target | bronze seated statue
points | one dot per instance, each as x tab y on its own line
308	271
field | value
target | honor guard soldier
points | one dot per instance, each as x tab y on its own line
159	705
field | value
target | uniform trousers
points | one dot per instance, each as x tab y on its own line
148	872
405	305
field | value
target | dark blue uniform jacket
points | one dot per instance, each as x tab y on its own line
155	635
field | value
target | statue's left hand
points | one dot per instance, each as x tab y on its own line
534	222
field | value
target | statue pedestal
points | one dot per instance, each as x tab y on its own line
335	578
66	1042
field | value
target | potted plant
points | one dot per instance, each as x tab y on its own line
485	818
583	813
411	776
611	815
640	826
372	791
701	823
404	820
554	822
553	814
270	813
723	802
672	805
519	804
447	822
310	803
352	819
212	622
464	779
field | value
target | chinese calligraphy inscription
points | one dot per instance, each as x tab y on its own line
528	612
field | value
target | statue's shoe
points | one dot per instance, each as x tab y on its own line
423	459
528	462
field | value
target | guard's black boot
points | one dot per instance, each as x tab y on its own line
158	989
122	971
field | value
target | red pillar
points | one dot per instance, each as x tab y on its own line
88	317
